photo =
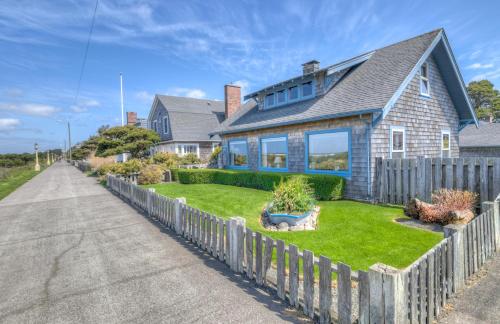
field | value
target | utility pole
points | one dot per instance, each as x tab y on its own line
121	98
69	142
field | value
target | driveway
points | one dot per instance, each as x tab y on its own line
71	252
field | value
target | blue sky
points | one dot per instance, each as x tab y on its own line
192	48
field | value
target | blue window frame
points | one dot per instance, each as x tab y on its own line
329	151
238	154
273	153
307	89
269	100
293	93
281	97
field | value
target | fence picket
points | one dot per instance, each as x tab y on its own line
268	255
249	253
406	180
325	289
281	272
423	291
364	297
344	293
258	258
308	265
430	288
293	275
221	239
398	183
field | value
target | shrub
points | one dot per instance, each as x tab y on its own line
190	158
325	187
214	156
293	196
151	174
446	204
166	160
114	168
132	166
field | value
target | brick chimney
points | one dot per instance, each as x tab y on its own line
131	118
310	67
232	99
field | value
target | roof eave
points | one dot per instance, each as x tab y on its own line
300	121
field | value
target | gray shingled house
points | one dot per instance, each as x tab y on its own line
482	141
184	124
404	100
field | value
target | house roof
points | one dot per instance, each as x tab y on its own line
191	120
370	86
486	135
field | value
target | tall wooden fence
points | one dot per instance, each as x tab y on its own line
399	180
383	294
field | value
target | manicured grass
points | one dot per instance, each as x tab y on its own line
355	233
13	178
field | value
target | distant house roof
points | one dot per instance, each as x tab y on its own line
486	135
191	120
372	84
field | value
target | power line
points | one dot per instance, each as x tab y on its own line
86	52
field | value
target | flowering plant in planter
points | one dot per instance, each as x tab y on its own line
294	196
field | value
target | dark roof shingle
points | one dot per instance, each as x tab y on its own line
486	135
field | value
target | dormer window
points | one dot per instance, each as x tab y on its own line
293	93
307	89
281	97
270	100
424	80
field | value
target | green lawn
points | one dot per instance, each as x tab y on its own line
355	233
12	178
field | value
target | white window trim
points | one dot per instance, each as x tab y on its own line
167	128
180	149
443	132
425	79
154	125
398	129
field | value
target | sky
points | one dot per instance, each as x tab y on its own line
193	48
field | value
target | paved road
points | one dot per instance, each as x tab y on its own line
480	302
72	252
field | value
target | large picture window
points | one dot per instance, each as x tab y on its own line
273	153
397	142
238	153
183	149
329	151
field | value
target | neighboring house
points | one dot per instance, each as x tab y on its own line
184	124
403	100
481	141
133	120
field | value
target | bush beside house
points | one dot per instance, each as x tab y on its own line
325	187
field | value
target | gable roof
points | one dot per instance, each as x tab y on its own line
370	86
485	135
191	120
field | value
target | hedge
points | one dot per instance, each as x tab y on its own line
326	187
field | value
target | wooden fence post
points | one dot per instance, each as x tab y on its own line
456	232
387	295
496	217
178	215
236	226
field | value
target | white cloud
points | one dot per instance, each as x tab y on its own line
187	92
144	96
477	66
84	105
243	84
491	75
29	109
7	124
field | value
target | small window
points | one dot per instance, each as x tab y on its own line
270	100
397	142
424	80
445	144
155	128
307	89
238	154
165	125
183	149
293	93
281	97
273	153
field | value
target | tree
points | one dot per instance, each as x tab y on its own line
485	99
121	139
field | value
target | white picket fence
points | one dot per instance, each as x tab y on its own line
383	294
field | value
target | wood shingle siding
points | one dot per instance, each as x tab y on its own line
357	184
423	119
